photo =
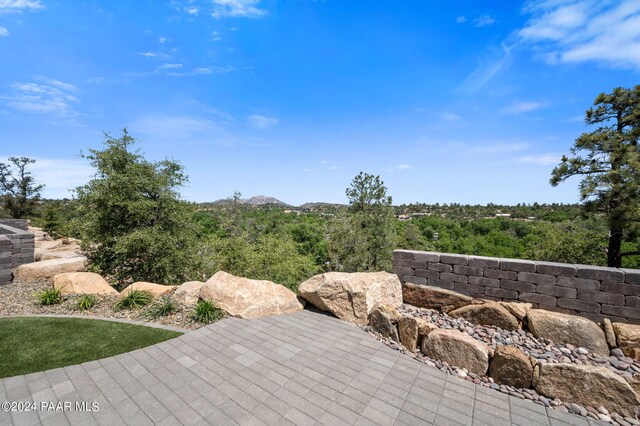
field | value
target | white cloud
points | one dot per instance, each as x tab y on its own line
585	30
541	160
519	107
170	66
8	6
486	70
4	31
261	121
162	40
148	54
399	167
493	149
461	20
171	128
403	166
449	116
237	8
483	21
192	10
307	170
43	96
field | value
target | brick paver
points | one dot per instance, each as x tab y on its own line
301	369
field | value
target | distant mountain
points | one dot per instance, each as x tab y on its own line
320	205
258	200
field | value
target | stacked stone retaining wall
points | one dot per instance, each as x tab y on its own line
17	247
590	291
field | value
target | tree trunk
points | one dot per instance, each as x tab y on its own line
614	251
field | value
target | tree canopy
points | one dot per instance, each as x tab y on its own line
18	189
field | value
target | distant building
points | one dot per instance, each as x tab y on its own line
503	214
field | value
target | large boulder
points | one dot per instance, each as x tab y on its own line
628	339
490	313
247	298
563	329
509	366
352	296
517	309
82	283
411	329
586	385
156	290
384	320
430	297
46	269
188	293
457	349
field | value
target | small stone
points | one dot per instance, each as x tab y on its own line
582	351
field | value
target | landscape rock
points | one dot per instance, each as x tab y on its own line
491	313
628	339
411	329
247	298
609	333
430	297
457	349
188	293
571	329
509	366
352	296
586	385
82	283
517	309
46	269
156	290
383	319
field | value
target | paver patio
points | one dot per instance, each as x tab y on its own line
301	369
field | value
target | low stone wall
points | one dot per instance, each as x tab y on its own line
17	247
589	291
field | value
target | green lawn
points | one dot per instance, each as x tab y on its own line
36	344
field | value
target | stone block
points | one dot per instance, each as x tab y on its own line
426	273
454	259
484	262
500	274
4	241
517	265
518	286
417	255
600	273
579	283
542	299
501	293
414	264
620	288
437	282
579	305
531	277
473	290
621	311
601	297
468	270
454	277
631	276
599	318
440	267
413	279
553	268
632	301
403	271
484	281
552	290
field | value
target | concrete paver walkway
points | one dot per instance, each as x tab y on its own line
301	369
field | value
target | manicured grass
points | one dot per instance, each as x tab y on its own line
36	344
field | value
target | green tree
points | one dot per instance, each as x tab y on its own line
18	188
363	238
609	163
133	225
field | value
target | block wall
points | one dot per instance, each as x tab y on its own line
17	246
590	291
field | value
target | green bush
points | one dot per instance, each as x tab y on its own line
86	301
50	296
207	312
163	307
134	300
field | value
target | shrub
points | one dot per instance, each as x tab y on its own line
161	308
86	301
50	296
134	300
207	312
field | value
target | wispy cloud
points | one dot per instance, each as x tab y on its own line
461	20
170	128
449	116
237	8
149	54
399	167
496	148
519	107
169	66
541	160
585	30
45	96
258	121
486	70
4	31
483	21
163	40
18	6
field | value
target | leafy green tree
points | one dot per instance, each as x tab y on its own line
133	225
18	189
363	238
609	163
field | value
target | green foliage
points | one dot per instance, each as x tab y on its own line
133	224
86	301
134	299
207	312
49	296
608	161
18	190
568	243
163	307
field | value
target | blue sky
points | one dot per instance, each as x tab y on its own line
458	101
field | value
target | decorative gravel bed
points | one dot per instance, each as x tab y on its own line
544	351
19	299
